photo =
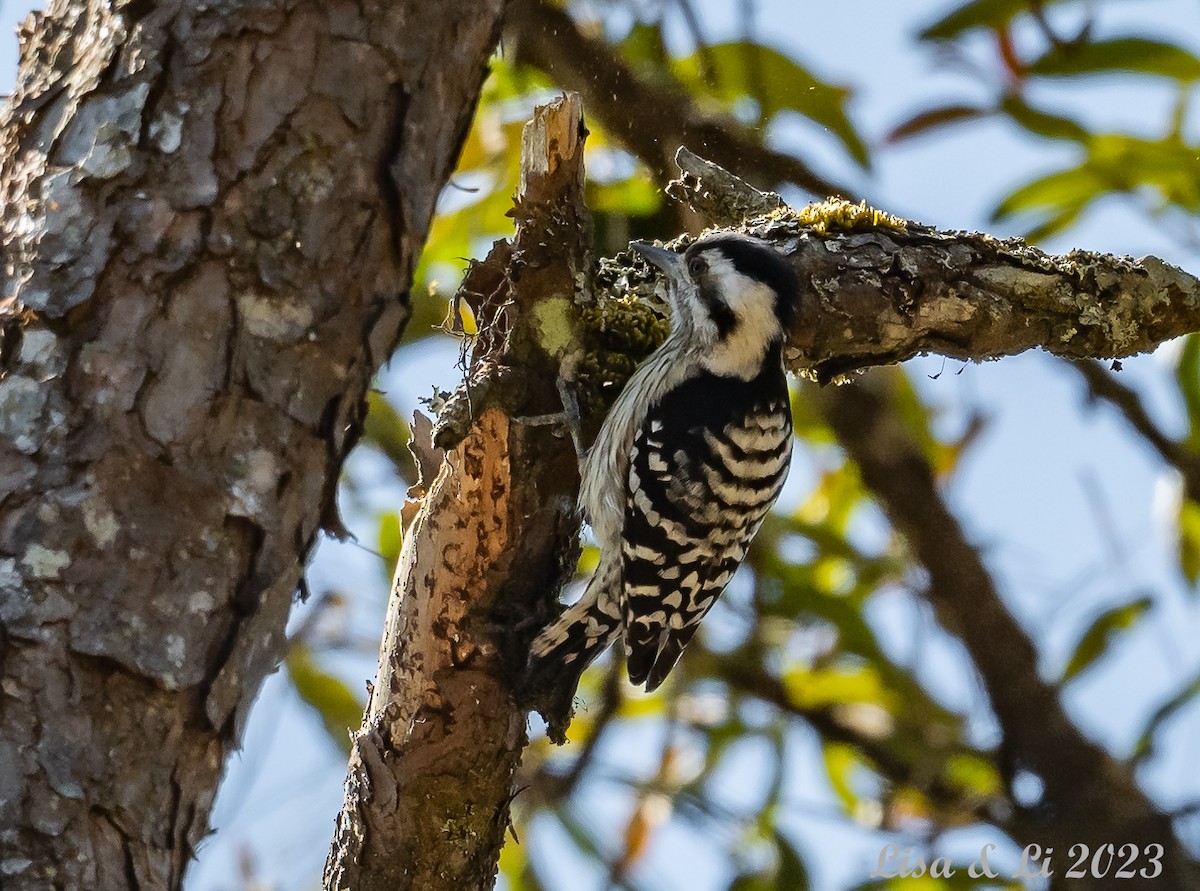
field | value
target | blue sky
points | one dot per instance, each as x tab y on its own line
1068	508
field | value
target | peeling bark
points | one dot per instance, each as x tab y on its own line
210	218
430	777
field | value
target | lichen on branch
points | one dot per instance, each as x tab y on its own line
879	289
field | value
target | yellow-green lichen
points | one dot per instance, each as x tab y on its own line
838	215
552	322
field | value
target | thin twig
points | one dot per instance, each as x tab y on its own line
708	64
1103	386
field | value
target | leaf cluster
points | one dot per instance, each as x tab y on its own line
1163	171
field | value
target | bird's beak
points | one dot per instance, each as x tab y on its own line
669	262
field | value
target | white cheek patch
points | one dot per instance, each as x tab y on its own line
741	353
754	304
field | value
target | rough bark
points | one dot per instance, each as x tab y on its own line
879	289
211	213
886	294
430	777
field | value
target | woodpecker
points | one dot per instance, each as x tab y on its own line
687	464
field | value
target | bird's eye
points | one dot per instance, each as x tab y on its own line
696	266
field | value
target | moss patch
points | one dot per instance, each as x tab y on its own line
618	334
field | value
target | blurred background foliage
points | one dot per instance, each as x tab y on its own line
798	678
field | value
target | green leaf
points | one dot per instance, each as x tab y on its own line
530	881
1056	223
491	151
340	710
1168	168
644	45
917	416
581	833
1120	55
841	763
1187	376
833	502
977	14
933	118
788	873
387	430
719	741
974	774
809	424
390	540
636	196
777	83
1189	540
799	595
1162	714
1099	636
1066	188
1057	198
758	881
1042	123
792	874
819	688
514	865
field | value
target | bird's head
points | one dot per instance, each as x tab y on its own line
731	293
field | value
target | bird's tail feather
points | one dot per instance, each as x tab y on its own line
565	648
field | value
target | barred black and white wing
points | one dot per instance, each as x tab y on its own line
706	467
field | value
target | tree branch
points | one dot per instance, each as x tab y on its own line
879	289
886	295
1103	385
430	778
1088	796
652	119
892	756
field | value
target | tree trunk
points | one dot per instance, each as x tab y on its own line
211	214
